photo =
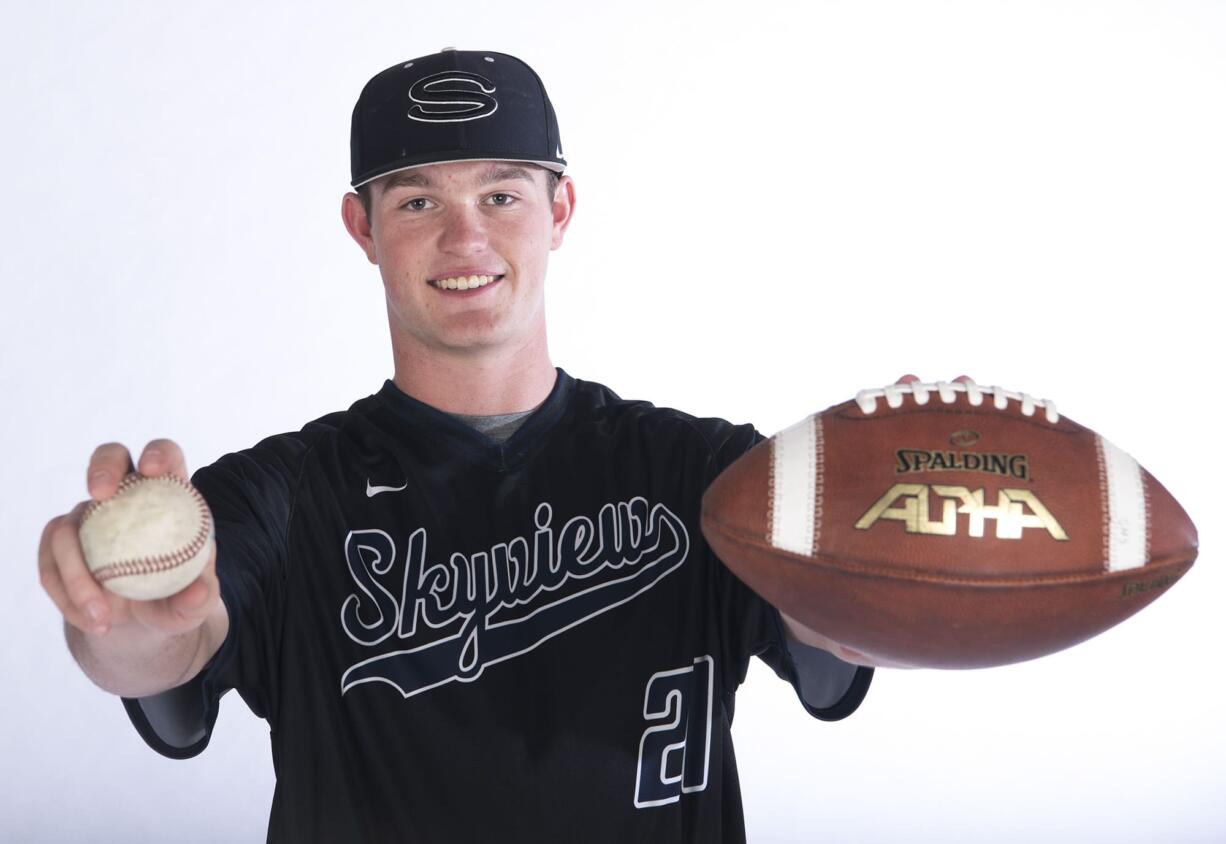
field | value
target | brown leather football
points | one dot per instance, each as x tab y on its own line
948	525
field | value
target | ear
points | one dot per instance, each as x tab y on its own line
563	209
358	226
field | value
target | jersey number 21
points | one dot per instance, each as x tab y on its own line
675	751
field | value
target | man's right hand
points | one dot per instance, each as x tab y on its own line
117	630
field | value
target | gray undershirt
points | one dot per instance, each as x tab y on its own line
498	427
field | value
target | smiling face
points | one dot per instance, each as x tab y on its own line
462	248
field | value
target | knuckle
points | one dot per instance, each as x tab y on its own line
48	529
54	535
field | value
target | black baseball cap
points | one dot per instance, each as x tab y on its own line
455	105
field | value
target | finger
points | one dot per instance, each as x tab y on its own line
108	465
200	593
163	457
53	584
185	610
86	605
907	379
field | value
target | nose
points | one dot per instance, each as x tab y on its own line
463	232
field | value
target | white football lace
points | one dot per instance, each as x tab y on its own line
947	391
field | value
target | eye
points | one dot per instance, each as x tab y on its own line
502	199
417	203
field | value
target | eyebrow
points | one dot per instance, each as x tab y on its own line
496	172
500	173
405	180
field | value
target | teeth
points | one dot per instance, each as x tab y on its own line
463	282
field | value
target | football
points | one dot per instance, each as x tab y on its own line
947	525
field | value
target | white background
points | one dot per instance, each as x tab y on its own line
779	204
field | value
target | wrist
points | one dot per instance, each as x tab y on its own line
131	660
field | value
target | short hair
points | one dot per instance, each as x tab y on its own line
552	177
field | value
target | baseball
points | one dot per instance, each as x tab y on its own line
150	539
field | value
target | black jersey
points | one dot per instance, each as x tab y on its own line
455	639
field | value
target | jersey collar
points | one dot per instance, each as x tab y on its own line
459	435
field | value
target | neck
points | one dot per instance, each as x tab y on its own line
476	383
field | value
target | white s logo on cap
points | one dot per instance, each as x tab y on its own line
451	97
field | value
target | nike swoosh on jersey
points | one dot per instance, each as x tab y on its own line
372	491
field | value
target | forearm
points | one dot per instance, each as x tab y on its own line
808	636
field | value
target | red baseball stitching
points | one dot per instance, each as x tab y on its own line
162	562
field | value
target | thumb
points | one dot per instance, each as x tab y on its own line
192	599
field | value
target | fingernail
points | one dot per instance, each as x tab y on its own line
101	476
94	610
152	455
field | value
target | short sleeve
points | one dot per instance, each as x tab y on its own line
251	496
828	688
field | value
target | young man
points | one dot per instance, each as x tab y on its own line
476	605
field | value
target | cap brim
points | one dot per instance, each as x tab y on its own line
556	166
